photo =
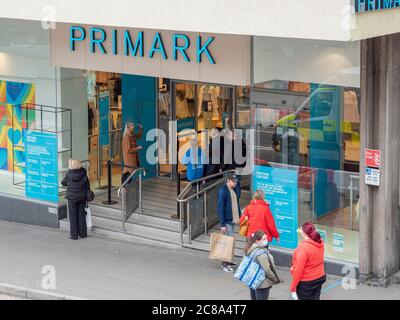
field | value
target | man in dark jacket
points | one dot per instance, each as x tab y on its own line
77	187
214	155
229	209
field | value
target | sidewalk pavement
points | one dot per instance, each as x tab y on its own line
98	268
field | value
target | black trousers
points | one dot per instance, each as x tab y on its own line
125	177
310	290
77	219
260	294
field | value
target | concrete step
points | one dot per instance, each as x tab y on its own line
115	235
139	230
149	219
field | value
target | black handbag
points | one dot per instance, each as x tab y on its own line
89	194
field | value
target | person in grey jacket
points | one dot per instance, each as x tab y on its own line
258	247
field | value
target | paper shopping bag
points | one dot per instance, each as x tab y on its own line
222	247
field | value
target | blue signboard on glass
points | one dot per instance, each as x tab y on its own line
41	166
186	124
281	192
104	118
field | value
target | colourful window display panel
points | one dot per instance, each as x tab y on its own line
13	122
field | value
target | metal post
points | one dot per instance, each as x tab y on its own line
205	214
123	216
313	194
180	204
351	203
189	223
140	193
109	200
178	192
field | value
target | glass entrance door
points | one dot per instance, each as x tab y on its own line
197	108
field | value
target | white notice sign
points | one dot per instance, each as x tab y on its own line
372	177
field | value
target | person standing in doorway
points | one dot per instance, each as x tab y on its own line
213	156
307	269
229	210
130	150
77	185
194	159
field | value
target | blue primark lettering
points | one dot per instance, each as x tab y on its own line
375	5
98	42
371	4
115	42
361	5
204	49
134	45
154	48
181	49
73	38
387	4
138	44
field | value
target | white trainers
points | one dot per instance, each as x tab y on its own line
227	269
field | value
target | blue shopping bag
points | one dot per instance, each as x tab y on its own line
250	272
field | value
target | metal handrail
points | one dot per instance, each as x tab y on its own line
186	200
194	182
201	192
130	177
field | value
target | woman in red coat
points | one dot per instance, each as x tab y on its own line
308	265
260	217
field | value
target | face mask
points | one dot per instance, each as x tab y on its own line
265	243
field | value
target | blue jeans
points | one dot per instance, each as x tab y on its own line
230	230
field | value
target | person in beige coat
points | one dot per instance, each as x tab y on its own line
257	246
130	150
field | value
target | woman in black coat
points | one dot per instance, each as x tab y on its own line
77	185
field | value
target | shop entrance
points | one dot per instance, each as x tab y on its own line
196	108
150	103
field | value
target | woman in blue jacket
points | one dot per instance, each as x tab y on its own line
194	159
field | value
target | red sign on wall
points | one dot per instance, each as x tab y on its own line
372	158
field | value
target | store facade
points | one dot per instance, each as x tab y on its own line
311	103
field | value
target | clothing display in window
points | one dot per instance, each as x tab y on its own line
223	100
91	85
163	99
208	93
182	108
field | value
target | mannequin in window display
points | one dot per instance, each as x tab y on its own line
182	110
207	114
208	93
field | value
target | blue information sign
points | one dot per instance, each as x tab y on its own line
41	166
186	124
104	119
281	192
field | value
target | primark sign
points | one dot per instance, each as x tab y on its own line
135	46
375	5
173	54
